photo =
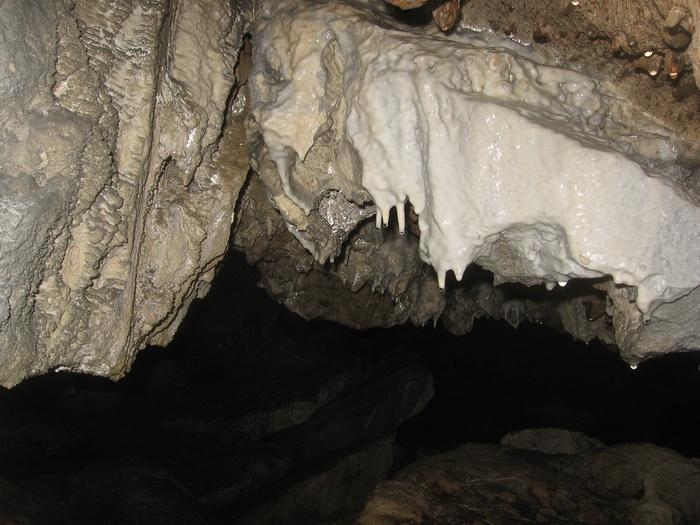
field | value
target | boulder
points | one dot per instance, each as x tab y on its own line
477	483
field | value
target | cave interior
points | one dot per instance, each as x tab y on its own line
291	355
176	440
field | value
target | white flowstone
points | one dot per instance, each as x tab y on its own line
490	148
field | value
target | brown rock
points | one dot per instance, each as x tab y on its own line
551	441
447	14
476	483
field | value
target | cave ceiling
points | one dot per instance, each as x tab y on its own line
363	156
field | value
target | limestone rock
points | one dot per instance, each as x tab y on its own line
397	388
619	32
125	126
515	217
632	483
380	281
445	12
119	175
335	490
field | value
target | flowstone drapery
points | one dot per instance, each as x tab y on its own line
506	159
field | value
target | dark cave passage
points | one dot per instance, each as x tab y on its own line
498	379
183	413
491	381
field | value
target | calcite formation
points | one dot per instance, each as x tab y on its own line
507	161
118	181
562	146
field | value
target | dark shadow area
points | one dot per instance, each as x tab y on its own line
497	379
251	411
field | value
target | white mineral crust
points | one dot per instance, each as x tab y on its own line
489	147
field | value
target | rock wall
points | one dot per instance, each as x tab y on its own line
117	174
124	131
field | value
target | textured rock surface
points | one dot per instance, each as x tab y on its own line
551	441
118	175
624	30
634	483
526	215
122	153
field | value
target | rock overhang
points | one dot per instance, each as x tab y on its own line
507	162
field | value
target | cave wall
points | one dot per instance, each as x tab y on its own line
456	199
124	150
118	175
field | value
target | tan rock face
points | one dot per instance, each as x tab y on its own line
118	183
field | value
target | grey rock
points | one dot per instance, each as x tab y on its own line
336	489
396	388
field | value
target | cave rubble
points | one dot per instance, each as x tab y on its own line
631	483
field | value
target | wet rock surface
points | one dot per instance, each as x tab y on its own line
120	167
377	144
123	151
479	483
